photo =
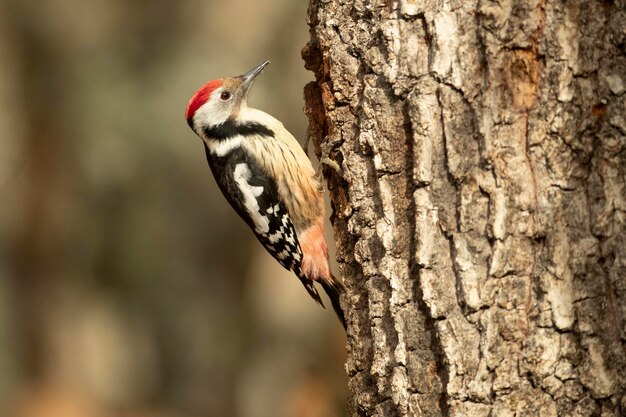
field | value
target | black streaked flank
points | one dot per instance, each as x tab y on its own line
231	128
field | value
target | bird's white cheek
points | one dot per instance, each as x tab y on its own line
213	112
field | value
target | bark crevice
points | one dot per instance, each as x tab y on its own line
483	203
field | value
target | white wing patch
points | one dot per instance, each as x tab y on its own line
250	194
224	146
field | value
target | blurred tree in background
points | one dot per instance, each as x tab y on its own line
128	287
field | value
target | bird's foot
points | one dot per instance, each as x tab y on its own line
331	164
325	159
306	144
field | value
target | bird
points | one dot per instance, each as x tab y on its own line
266	176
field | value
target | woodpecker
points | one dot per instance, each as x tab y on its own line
267	178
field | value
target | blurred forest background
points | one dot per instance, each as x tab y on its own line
128	287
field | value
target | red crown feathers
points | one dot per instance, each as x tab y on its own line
200	97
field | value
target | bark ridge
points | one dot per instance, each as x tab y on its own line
480	218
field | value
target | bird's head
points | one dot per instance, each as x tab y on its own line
219	100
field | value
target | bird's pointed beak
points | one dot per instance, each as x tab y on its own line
249	77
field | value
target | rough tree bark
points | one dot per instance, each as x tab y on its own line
480	215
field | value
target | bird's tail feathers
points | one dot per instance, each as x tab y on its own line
334	288
310	288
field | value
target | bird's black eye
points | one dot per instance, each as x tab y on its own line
225	95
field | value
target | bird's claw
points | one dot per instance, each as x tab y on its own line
325	160
306	144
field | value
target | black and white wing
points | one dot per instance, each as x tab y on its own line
255	198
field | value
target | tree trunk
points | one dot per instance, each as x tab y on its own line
480	209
